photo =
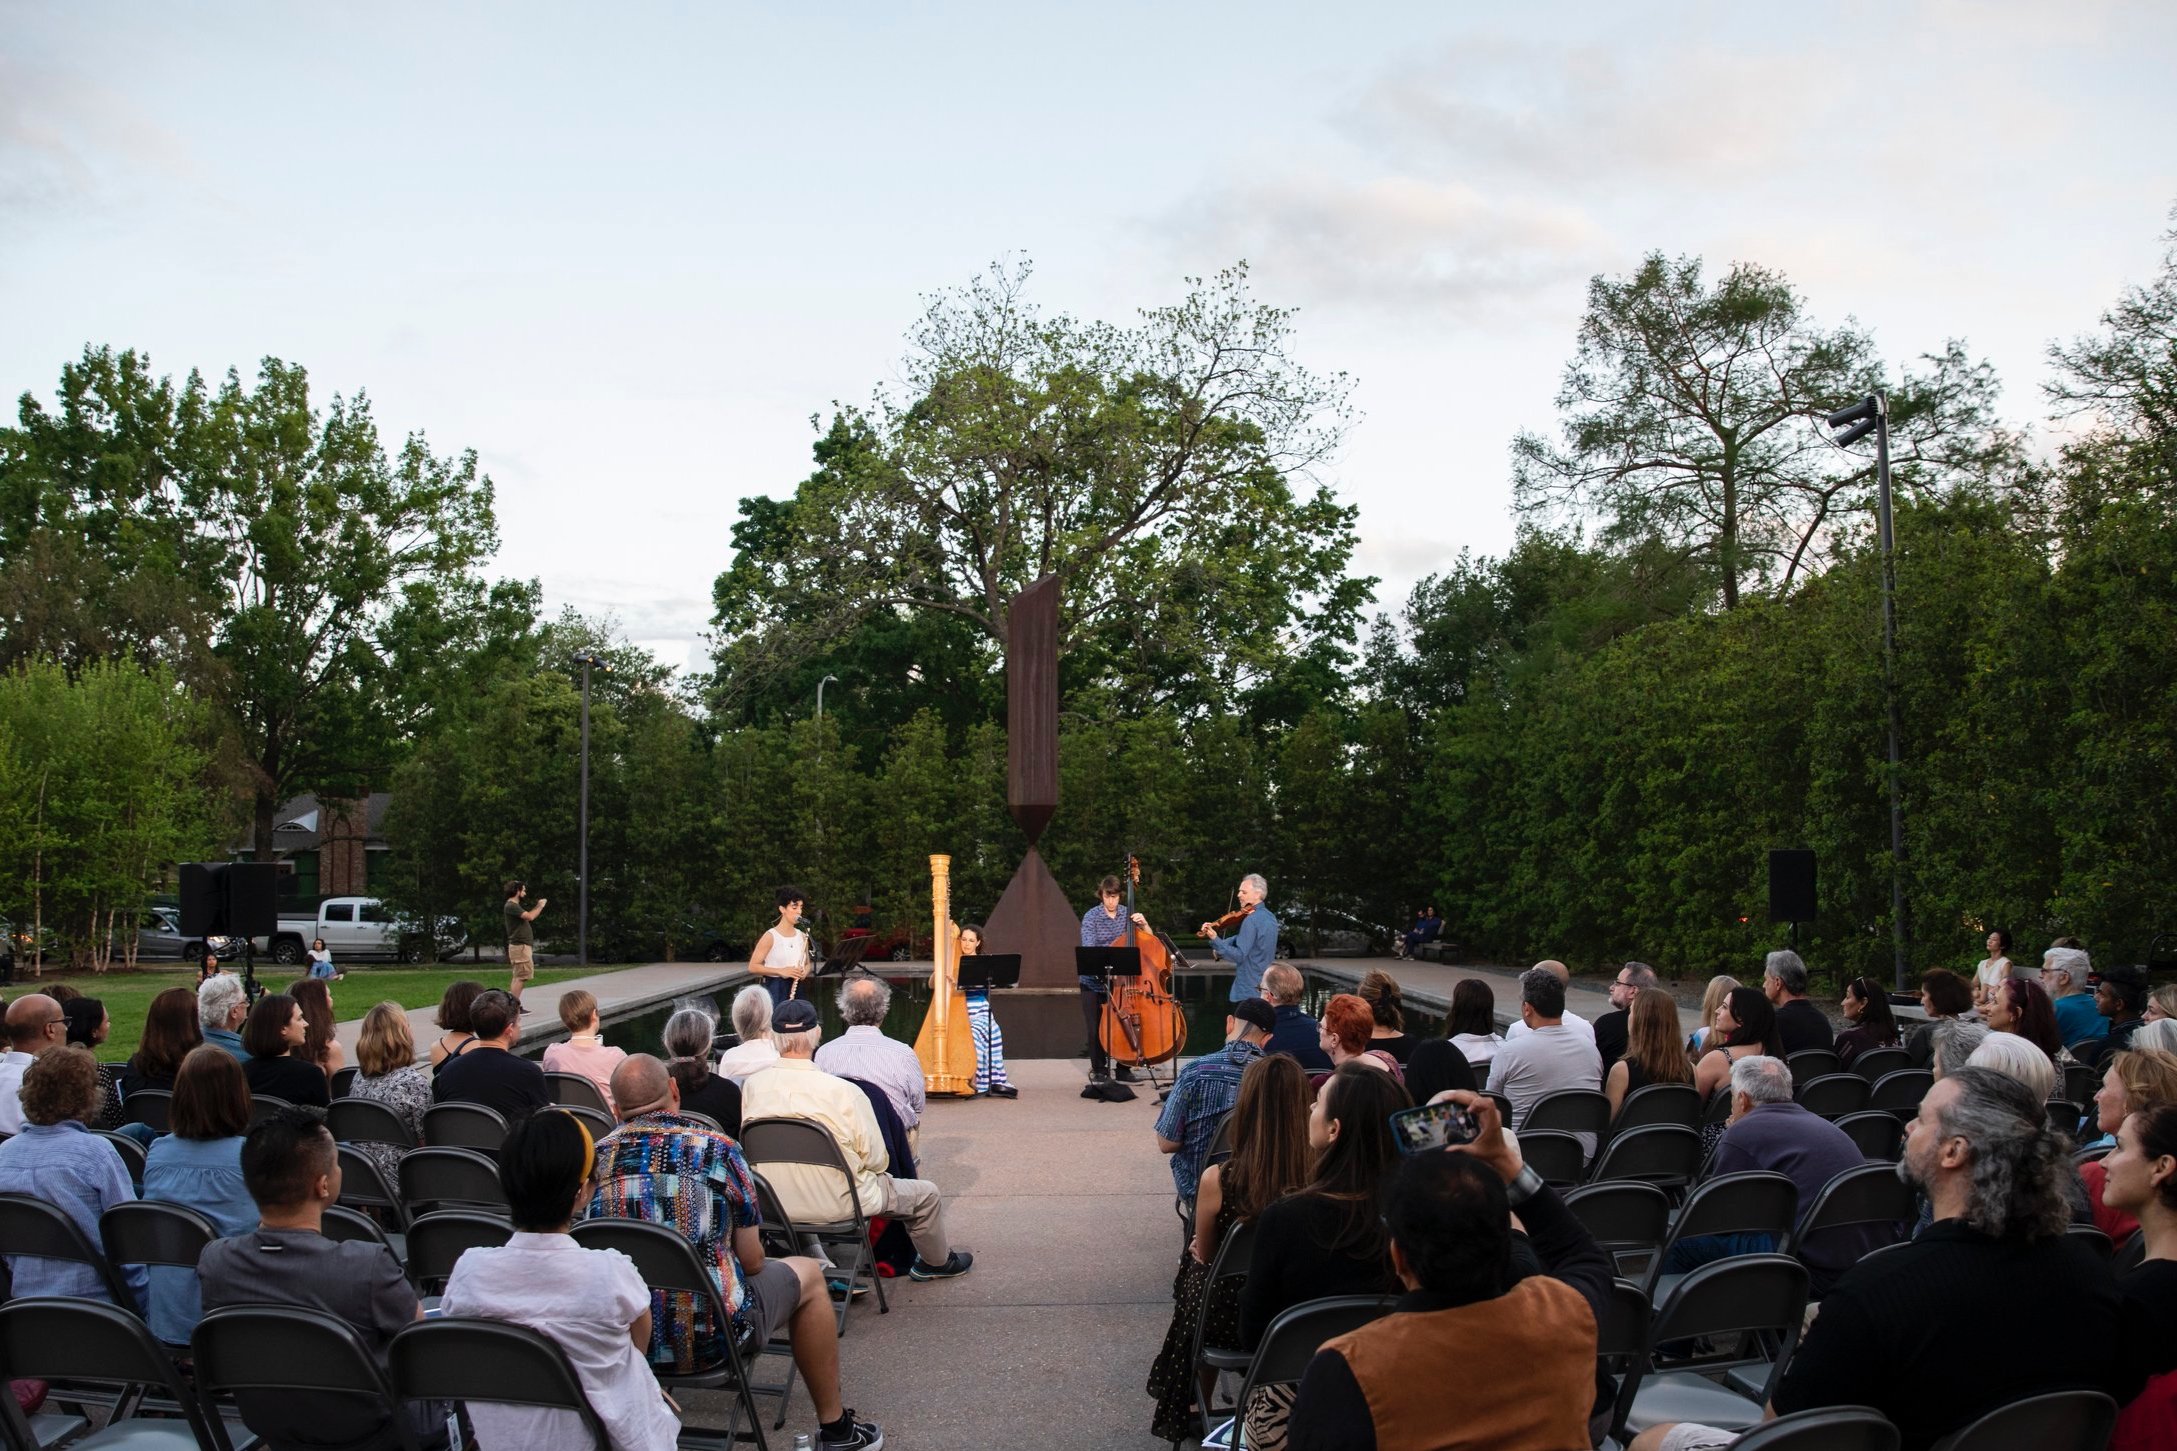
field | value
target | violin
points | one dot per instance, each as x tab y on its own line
1227	922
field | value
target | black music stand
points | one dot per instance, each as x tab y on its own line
982	972
1107	963
846	959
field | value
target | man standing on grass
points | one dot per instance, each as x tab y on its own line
521	941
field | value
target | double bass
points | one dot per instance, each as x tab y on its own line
1143	1023
946	1044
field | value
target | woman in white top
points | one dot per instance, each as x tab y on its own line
1994	968
781	957
752	1021
1472	1026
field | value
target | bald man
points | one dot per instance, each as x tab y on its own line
1573	1020
34	1024
664	1167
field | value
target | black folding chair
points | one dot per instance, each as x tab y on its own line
2064	1116
1833	1428
344	1080
2094	1239
151	1232
493	1362
1833	1095
1900	1092
1569	1111
2131	1255
148	1106
1717	1111
575	1091
1504	1105
1664	1154
2082	1082
1876	1134
263	1106
298	1378
1659	1103
1747	1299
340	1224
69	1341
39	1228
597	1121
436	1178
1808	1064
367	1121
1231	1263
781	1239
362	1186
704	1120
1869	1194
437	1241
1625	1217
132	1155
1756	1201
2093	1155
798	1141
2057	1421
1873	1063
1296	1334
1557	1157
464	1126
667	1261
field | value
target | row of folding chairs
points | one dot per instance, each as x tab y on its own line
152	1106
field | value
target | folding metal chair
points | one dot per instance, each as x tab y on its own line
1869	1194
152	1232
436	1242
1833	1428
798	1141
574	1090
1874	1133
1757	1201
1231	1263
340	1223
344	1081
1748	1297
1557	1157
367	1121
132	1155
298	1377
1900	1092
1873	1063
363	1187
2093	1239
781	1239
436	1178
1808	1064
1296	1334
1570	1111
263	1106
69	1340
2082	1081
1625	1217
596	1121
1659	1103
148	1106
2065	1116
39	1228
2057	1421
1834	1095
464	1126
1665	1154
491	1361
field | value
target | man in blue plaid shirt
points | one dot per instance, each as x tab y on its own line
1205	1092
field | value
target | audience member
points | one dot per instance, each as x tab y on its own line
1898	1332
1943	996
275	1035
689	1035
1706	1036
1746	1027
222	1008
1800	1023
2017	1005
1994	969
453	1021
198	1163
2064	974
752	1024
585	1053
1951	1042
1205	1092
794	1087
1427	925
35	1024
1298	1036
2142	1182
170	1031
592	1302
1385	1002
1651	1050
864	1053
1348	1035
56	1158
1550	1056
1472	1026
320	1045
1328	1239
292	1170
87	1027
487	1071
661	1167
2135	1081
2120	995
2014	1057
1571	1020
1437	1067
2160	1035
387	1073
1523	1345
1867	1009
1614	1027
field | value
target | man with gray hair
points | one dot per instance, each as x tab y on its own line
222	1006
752	1024
1799	1023
1904	1332
1614	1027
1251	945
2064	977
865	1054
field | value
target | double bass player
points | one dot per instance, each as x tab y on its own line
1102	925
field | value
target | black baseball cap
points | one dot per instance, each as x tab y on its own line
793	1016
1256	1012
2125	974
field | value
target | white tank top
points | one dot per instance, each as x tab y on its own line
787	949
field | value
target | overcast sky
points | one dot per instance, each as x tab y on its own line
625	252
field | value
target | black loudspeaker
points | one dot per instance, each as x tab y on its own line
1791	886
253	899
203	906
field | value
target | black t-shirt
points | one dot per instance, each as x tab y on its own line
288	1077
494	1078
1801	1025
1611	1031
1399	1045
718	1098
1292	1262
1902	1332
2150	1297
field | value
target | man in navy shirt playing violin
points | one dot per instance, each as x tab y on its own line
1252	945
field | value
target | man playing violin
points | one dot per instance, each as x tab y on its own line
1102	925
1253	941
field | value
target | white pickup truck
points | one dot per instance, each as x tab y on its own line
355	928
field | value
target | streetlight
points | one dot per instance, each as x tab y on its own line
827	680
588	660
1872	415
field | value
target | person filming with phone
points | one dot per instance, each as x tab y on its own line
1524	1344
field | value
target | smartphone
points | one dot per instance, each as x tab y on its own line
1432	1126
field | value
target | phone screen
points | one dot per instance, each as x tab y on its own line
1432	1126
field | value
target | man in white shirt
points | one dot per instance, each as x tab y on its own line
34	1024
1572	1020
1549	1056
864	1052
795	1087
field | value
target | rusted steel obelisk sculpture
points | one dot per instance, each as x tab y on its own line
1033	917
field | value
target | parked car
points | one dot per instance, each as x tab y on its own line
161	939
1329	933
362	928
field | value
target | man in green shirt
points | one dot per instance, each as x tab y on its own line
521	940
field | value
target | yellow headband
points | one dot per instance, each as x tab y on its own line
589	1145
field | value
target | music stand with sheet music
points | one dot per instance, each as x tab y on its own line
987	970
1107	963
847	958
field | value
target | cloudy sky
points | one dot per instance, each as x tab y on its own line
625	252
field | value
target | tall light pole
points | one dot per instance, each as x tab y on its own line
827	680
589	660
1872	415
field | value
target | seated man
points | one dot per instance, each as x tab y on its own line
292	1170
1799	1023
1900	1332
590	1301
2064	977
1567	1016
34	1024
222	1008
1206	1090
794	1087
488	1072
1550	1055
1523	1349
1294	1033
864	1052
667	1169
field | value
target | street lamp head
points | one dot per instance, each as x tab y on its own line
1858	419
594	661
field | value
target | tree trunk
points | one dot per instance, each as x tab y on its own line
1727	552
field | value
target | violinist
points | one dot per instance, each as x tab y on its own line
1253	941
1102	925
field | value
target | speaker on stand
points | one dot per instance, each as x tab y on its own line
1791	889
232	899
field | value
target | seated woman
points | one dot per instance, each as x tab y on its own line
585	1053
989	1041
752	1021
2142	1181
320	1045
1347	1035
198	1162
274	1036
1707	1036
2021	1006
2136	1081
57	1159
454	1036
1438	1065
2014	1057
689	1036
1867	1009
89	1026
1269	1161
1381	992
387	1072
1746	1027
1943	995
1653	1052
1472	1026
1329	1238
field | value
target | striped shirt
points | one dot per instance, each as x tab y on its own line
1204	1093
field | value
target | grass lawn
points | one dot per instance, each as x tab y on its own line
127	994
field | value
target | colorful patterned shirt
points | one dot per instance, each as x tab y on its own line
666	1169
1204	1093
